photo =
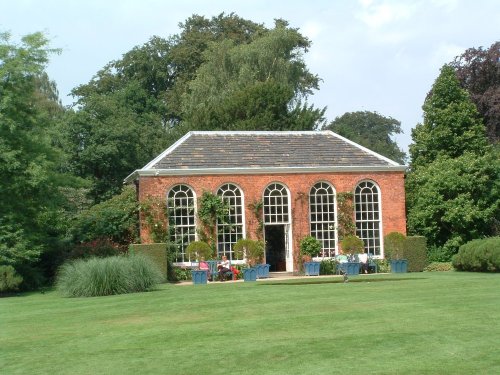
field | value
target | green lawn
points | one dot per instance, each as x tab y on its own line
426	323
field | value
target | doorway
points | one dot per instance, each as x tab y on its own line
275	247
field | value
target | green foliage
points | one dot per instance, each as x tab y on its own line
9	279
328	267
439	267
415	252
394	245
154	215
252	250
452	201
212	210
159	253
310	246
115	219
481	255
106	276
345	215
181	274
478	71
101	248
352	245
199	249
256	208
452	125
371	130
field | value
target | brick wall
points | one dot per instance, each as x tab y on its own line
391	186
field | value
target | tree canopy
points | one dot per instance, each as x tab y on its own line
478	71
453	187
371	130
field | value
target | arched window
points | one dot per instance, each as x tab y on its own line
367	211
231	230
181	218
322	209
276	205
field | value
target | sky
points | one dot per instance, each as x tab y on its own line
371	55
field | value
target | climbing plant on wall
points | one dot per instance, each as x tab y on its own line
211	210
345	215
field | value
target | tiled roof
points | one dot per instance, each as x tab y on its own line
254	151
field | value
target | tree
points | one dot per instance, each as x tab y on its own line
372	130
451	126
452	188
29	166
478	71
256	86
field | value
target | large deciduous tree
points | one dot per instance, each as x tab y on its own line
29	166
453	187
372	130
478	71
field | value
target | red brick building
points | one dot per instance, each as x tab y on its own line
294	176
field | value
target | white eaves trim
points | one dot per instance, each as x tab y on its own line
260	170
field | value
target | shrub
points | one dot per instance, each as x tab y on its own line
106	276
101	247
9	279
182	273
310	246
198	249
415	251
352	245
439	267
328	267
479	256
252	250
394	245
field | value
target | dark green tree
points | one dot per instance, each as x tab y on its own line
478	71
371	130
30	168
453	187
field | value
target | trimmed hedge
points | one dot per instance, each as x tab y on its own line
439	267
157	252
479	256
415	251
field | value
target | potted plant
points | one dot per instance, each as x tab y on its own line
394	251
199	250
310	247
352	245
253	251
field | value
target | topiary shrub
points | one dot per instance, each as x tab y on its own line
252	250
9	279
309	247
199	249
415	251
106	276
352	245
394	245
479	256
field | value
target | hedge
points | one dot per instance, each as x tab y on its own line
479	256
157	252
415	251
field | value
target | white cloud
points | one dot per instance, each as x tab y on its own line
378	14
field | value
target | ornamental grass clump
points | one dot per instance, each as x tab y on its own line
106	276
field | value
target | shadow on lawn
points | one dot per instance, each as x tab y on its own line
339	281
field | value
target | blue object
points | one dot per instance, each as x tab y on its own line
199	276
249	274
399	266
311	268
262	270
349	268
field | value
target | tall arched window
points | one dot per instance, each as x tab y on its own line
322	209
181	218
276	205
231	230
367	211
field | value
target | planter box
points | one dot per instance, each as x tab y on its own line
399	266
311	268
249	274
350	268
199	276
262	270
